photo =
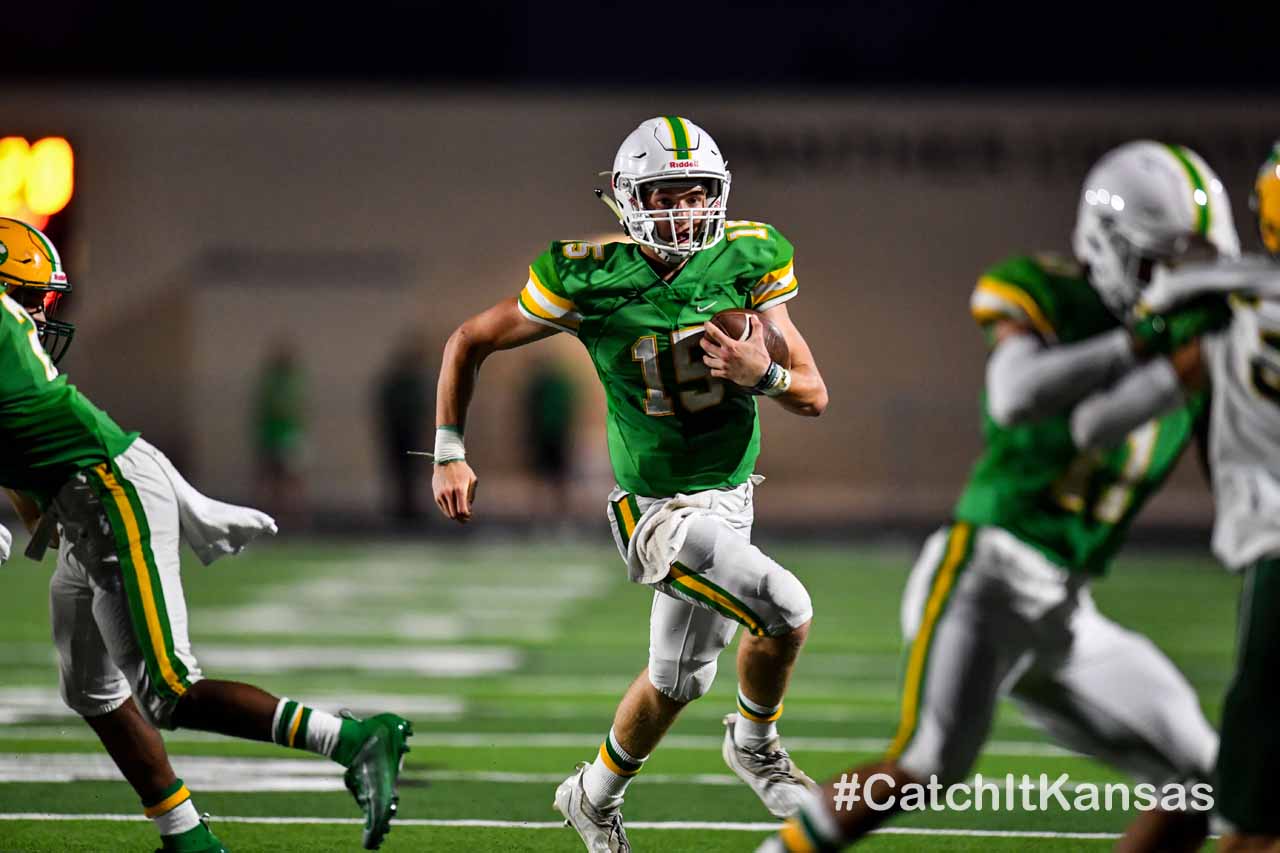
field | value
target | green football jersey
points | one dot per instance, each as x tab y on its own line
48	429
672	428
1073	505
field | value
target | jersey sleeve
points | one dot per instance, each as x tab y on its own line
778	283
544	299
1013	291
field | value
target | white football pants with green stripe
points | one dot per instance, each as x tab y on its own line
718	581
118	613
985	614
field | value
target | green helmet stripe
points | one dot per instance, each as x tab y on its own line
679	136
51	252
1197	188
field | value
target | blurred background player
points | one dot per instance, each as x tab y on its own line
1243	369
280	434
999	600
118	510
678	424
402	406
550	409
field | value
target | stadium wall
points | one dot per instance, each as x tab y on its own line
894	203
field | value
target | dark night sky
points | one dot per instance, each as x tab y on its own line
931	44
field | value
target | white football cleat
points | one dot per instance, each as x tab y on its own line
777	781
601	830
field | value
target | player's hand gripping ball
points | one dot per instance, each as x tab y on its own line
741	345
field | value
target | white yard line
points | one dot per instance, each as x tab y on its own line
208	773
715	826
586	740
437	661
43	704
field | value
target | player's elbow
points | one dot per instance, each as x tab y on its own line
467	344
818	404
813	404
1005	409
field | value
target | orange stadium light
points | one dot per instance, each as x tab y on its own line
36	180
51	178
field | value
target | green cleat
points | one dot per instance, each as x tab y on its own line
371	776
198	839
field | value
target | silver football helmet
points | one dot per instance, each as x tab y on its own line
1146	203
670	149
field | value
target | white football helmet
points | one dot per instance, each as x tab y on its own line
1146	203
670	149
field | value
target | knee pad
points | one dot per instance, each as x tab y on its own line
92	703
681	680
768	595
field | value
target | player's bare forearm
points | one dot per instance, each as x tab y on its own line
500	327
808	393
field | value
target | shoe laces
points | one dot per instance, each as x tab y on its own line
608	819
775	764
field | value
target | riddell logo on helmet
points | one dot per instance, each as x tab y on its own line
682	164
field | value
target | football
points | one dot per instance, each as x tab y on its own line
733	322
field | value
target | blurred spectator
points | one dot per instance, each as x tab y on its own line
279	426
549	409
403	404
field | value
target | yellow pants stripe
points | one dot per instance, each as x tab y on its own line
794	838
953	558
169	803
628	520
690	582
155	632
293	727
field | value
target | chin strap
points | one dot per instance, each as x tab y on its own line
609	203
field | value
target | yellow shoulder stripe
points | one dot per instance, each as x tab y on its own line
1015	295
778	274
554	299
774	295
531	305
531	309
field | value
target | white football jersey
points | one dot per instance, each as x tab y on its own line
1244	431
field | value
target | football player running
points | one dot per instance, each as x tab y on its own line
117	510
683	439
1243	370
998	601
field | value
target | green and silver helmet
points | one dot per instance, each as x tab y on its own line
1146	203
670	151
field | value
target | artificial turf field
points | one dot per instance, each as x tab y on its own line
510	659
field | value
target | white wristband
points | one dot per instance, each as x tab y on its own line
780	385
449	447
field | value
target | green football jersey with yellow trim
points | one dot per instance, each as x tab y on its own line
672	428
1073	505
48	429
